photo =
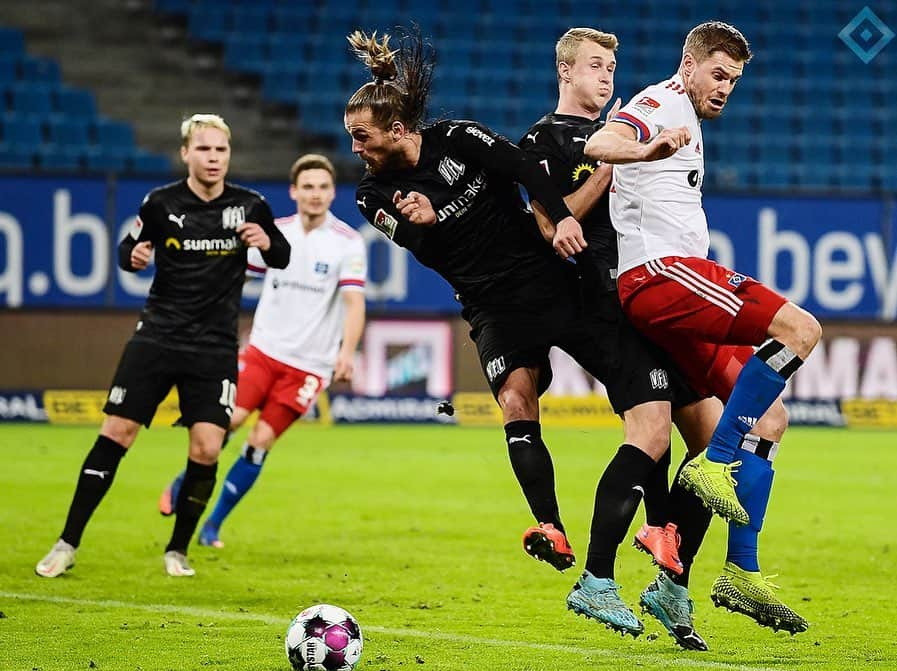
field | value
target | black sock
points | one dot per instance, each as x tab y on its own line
199	481
616	500
657	493
692	520
534	470
94	481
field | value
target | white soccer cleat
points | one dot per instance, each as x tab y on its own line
59	559
177	566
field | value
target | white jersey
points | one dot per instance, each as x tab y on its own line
655	206
299	318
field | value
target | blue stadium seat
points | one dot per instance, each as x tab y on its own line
75	104
33	99
207	24
33	69
51	158
251	20
20	132
70	133
12	42
146	163
99	161
9	70
114	137
15	159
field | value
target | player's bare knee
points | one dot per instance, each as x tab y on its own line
517	405
648	426
797	329
122	431
262	436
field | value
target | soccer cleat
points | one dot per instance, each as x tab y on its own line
176	565
208	536
59	559
169	497
546	543
669	603
662	543
713	483
597	598
751	594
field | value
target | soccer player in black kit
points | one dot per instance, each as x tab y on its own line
448	193
585	65
199	229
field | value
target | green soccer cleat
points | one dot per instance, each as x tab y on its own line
669	603
597	598
713	483
751	594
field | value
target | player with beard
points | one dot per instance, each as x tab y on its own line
448	193
709	318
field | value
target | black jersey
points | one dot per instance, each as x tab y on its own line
557	142
194	300
485	241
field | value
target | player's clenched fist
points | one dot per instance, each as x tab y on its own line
568	239
254	235
140	255
666	143
415	207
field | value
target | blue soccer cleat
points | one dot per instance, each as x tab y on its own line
597	598
669	603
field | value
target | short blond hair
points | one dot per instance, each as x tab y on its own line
311	162
711	36
568	45
190	124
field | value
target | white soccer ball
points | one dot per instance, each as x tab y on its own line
323	638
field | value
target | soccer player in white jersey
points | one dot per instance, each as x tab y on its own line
708	317
306	328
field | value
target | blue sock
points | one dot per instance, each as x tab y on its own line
756	389
240	478
754	478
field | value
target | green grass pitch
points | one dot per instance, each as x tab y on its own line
416	531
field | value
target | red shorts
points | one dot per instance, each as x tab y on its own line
281	392
709	318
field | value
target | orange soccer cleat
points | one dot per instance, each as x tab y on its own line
662	543
548	544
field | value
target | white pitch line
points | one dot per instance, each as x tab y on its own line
207	613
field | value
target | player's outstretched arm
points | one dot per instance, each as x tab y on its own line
618	143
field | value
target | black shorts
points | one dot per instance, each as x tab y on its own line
516	337
206	383
633	369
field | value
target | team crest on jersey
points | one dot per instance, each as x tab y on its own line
647	105
385	222
737	279
232	217
321	268
451	170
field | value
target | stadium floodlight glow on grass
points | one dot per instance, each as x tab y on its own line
859	35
